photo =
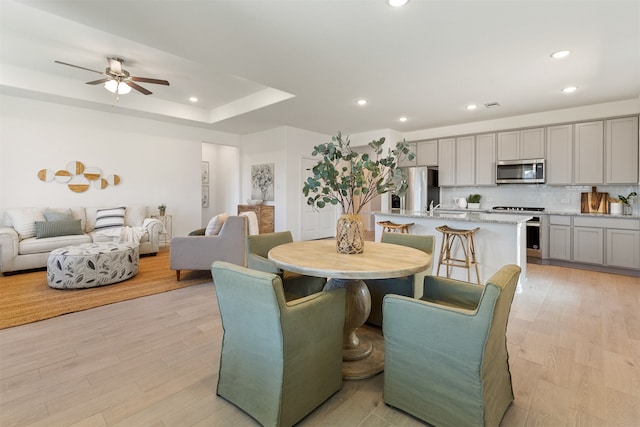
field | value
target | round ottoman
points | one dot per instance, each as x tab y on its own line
92	264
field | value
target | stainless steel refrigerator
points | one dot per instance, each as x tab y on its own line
422	182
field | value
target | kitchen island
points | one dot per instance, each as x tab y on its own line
500	240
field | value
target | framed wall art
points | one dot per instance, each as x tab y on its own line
205	196
205	172
262	181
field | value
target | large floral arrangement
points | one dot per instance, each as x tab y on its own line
345	177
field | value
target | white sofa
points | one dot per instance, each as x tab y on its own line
21	249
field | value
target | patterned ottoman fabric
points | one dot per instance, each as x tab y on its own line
92	264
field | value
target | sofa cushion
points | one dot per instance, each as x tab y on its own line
57	215
24	221
215	224
46	229
110	218
37	246
134	215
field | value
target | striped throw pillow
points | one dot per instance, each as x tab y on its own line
110	218
57	228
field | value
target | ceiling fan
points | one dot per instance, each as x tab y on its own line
118	80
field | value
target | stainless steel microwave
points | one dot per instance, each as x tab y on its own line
520	171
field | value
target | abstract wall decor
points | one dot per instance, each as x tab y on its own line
78	177
262	181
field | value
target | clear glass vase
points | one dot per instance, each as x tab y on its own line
626	209
350	234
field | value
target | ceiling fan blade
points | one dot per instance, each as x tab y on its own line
148	80
77	66
138	87
115	64
97	82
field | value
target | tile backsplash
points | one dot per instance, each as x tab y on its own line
552	198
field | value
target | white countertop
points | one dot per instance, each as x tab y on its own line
537	213
462	215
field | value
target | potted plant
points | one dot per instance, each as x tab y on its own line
345	177
162	209
473	201
626	202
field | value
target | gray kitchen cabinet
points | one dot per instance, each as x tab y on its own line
427	153
588	244
465	160
406	161
521	144
588	152
621	150
560	237
623	248
447	162
559	164
485	163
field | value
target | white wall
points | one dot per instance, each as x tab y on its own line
285	147
224	177
158	162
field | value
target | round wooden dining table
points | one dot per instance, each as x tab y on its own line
363	354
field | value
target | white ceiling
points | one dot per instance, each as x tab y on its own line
259	64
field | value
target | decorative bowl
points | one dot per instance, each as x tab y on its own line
254	202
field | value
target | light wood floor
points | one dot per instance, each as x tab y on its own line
574	344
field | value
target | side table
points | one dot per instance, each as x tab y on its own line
167	228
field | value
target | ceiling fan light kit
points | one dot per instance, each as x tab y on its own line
118	80
115	86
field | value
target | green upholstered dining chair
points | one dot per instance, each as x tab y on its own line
446	359
279	360
295	285
410	286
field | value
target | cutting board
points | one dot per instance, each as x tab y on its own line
594	202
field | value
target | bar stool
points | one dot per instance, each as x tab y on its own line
468	245
392	227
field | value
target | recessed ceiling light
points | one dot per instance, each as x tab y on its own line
560	54
403	119
569	89
193	99
471	107
361	102
397	3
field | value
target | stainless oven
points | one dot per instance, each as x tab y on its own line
533	238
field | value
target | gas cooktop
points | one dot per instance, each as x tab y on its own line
517	208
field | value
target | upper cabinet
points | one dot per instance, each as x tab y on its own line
427	153
559	166
588	153
486	159
467	160
521	144
621	151
406	161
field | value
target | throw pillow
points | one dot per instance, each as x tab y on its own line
24	221
58	215
110	218
252	218
215	224
57	228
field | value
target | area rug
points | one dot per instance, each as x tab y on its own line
26	297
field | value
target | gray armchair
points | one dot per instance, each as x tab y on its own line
410	286
295	285
279	360
446	359
199	252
